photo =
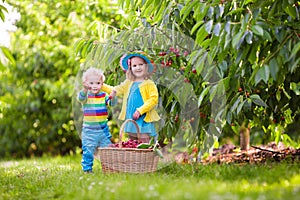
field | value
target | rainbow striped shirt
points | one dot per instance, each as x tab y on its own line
95	112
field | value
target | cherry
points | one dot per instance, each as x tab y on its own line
162	53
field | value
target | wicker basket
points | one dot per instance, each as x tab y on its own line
129	160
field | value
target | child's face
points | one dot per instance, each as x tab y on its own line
139	68
95	83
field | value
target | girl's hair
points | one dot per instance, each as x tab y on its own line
129	74
93	71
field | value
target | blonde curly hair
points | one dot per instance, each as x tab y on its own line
93	71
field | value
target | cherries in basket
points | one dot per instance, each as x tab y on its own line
140	145
127	144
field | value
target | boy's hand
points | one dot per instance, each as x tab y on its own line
136	115
86	86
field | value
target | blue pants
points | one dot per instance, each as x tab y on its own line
91	139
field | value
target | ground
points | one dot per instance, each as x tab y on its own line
229	153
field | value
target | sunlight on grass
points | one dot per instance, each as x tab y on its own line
62	178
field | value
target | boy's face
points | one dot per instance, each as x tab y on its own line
95	83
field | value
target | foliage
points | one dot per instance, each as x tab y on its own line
35	113
62	178
252	46
4	52
2	10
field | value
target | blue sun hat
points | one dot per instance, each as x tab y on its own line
125	60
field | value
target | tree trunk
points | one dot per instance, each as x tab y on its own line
245	137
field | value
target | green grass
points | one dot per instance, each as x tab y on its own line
62	178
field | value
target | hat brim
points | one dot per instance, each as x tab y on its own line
125	58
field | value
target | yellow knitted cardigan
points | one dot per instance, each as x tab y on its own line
149	95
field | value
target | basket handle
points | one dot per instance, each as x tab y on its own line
122	129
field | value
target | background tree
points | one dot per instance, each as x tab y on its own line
254	48
36	115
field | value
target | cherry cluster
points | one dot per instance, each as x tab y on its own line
127	144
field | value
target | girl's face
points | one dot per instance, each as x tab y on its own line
139	68
95	83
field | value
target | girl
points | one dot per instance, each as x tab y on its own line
140	95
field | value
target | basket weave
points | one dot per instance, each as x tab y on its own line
129	160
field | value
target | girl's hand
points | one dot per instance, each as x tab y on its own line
136	115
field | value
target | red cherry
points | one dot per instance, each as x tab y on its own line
186	53
169	63
202	115
176	118
186	80
195	149
162	53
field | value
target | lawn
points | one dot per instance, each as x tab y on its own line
62	178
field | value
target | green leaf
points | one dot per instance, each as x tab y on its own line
295	87
144	146
236	11
236	103
78	45
2	16
262	74
159	14
291	11
294	65
221	11
267	36
196	26
202	61
257	30
202	95
286	94
249	37
239	108
229	117
210	12
185	11
8	55
257	100
227	41
217	29
274	68
278	95
227	27
295	49
236	39
208	26
252	57
201	35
